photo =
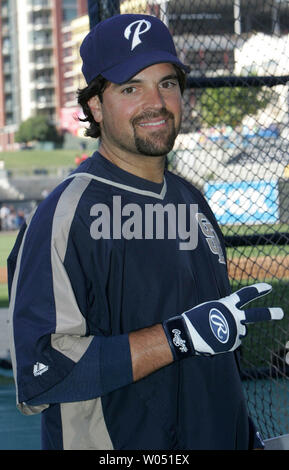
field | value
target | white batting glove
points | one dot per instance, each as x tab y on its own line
218	326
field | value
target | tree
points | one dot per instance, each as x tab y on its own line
36	128
228	106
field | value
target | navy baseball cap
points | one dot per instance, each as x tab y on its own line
121	46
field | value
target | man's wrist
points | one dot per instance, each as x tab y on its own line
178	337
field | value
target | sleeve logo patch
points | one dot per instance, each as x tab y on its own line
39	369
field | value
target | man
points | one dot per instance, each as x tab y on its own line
105	341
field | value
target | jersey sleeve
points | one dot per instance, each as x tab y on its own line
103	368
52	350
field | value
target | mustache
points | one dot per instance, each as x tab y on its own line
163	113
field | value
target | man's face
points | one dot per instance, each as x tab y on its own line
142	116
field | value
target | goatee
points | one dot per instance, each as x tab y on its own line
159	142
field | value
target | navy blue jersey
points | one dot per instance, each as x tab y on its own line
107	253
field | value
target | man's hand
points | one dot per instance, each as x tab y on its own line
218	326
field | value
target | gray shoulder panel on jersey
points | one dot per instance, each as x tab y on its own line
123	186
83	426
70	329
11	310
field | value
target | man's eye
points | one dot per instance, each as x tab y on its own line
128	90
169	84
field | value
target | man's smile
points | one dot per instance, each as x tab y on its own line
159	123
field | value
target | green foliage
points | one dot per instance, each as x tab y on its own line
37	128
228	106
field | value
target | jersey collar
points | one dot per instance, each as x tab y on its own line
99	168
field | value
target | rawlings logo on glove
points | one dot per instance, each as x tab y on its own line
218	326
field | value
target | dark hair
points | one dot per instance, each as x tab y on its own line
182	78
95	88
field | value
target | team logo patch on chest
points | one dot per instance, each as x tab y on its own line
211	237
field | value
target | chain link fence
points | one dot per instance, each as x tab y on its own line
234	147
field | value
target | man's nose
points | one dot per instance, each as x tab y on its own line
154	98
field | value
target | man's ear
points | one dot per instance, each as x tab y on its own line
94	104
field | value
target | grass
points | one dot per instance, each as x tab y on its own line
255	251
229	230
7	240
4	296
260	250
29	159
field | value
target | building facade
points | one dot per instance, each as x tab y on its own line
31	60
72	78
9	73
